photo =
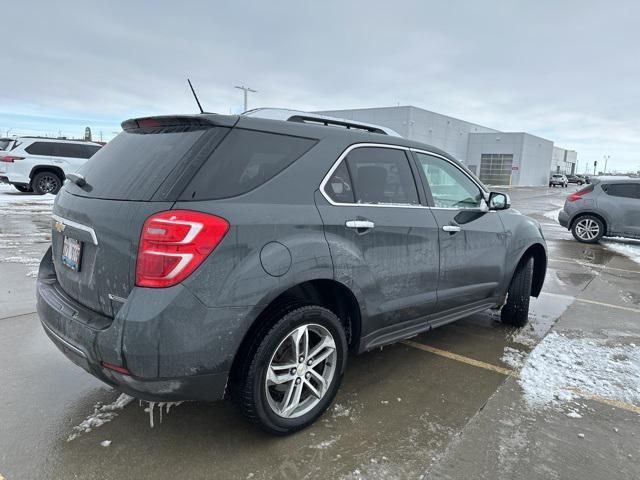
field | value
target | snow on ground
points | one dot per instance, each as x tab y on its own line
553	214
513	357
101	415
9	195
623	246
562	368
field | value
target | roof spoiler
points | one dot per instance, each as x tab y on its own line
207	120
317	119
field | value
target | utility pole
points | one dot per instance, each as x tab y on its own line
606	160
246	90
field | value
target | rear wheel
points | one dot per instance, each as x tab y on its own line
46	182
23	188
587	229
292	373
516	311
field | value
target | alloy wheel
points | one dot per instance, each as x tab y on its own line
48	183
587	229
301	370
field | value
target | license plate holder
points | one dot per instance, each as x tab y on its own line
72	253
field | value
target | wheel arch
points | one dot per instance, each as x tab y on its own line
327	293
46	168
539	254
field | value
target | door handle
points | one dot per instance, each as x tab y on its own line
451	228
360	224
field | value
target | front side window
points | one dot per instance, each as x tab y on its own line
381	176
450	187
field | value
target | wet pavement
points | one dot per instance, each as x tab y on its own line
447	404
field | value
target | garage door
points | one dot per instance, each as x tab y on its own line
495	168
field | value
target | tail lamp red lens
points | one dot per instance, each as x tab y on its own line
577	195
116	368
174	243
10	158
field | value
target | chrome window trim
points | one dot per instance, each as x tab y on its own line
78	226
337	163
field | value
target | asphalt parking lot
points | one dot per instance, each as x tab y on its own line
559	398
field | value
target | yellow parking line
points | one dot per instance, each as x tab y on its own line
460	358
508	372
594	302
594	265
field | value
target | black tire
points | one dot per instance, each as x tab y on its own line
516	311
250	391
24	188
583	222
46	182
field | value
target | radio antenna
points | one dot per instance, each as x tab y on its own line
195	96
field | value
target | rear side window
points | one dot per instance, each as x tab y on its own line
70	150
381	176
136	162
41	148
243	161
627	190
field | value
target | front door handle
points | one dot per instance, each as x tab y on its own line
451	228
360	224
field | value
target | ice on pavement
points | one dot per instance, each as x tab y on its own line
563	368
101	415
151	406
628	248
553	215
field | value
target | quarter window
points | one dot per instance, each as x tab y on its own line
450	187
339	188
381	176
627	190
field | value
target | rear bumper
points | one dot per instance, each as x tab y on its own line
168	361
563	218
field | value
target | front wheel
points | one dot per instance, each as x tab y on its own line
46	182
516	311
587	229
292	373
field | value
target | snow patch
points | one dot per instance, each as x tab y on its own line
513	357
105	443
326	444
553	215
150	409
561	368
628	248
340	411
101	415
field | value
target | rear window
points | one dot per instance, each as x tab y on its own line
4	144
135	163
243	161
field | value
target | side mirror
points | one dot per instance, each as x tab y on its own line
499	201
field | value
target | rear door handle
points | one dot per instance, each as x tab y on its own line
451	228
360	224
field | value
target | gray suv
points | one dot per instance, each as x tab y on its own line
605	208
251	256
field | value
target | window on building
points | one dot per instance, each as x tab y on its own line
381	175
495	168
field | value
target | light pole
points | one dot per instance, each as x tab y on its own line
246	90
606	160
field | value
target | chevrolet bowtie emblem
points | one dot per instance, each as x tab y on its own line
59	226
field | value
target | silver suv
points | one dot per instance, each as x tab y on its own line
606	208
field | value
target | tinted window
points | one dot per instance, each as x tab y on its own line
70	150
91	150
627	190
41	148
135	163
243	161
381	175
339	188
450	188
4	144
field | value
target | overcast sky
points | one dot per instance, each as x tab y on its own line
567	71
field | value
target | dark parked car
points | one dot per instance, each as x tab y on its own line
251	256
575	179
605	208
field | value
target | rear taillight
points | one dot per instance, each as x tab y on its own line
174	243
10	158
577	195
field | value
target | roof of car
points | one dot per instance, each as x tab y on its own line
51	139
615	179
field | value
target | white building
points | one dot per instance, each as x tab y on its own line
498	158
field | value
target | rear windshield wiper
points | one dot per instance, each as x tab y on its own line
77	178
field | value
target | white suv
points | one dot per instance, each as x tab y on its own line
40	164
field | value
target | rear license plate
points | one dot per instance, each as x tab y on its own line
72	253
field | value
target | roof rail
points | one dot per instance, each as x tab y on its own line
317	119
